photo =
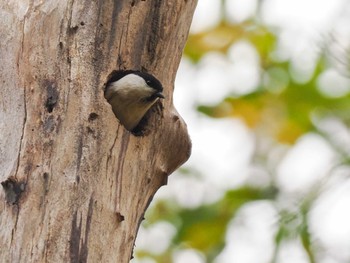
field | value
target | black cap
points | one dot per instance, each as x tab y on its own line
150	79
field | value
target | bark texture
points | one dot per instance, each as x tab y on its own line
75	183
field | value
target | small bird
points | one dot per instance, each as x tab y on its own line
131	94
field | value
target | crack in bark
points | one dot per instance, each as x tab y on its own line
16	206
109	156
46	247
80	151
154	38
117	7
24	99
22	135
123	36
120	61
110	151
78	248
69	44
47	178
127	23
120	168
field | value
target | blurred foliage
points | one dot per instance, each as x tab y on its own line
285	114
203	228
280	104
222	37
282	109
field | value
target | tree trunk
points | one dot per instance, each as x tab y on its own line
75	183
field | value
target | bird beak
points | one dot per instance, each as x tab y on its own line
159	95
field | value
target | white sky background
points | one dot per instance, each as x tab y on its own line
222	148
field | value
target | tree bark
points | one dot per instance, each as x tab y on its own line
75	183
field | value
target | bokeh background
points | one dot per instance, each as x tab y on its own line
264	88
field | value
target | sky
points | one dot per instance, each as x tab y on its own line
224	147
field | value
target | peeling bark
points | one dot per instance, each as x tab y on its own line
75	183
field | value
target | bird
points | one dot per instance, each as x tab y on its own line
131	94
